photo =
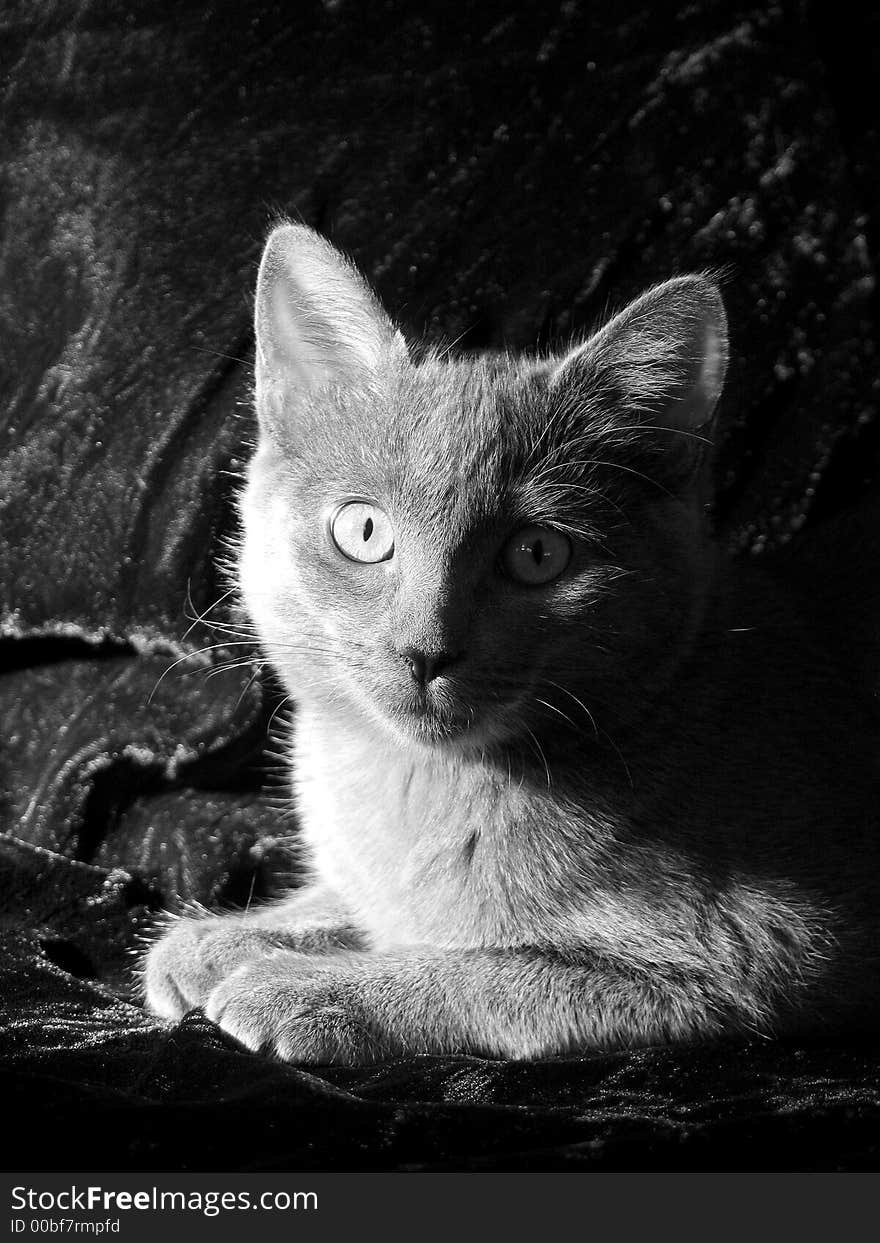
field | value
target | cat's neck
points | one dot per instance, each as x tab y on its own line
415	840
363	761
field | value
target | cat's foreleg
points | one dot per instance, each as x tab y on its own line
356	1008
193	954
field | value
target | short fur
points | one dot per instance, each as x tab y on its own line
640	804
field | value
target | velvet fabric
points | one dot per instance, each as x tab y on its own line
504	175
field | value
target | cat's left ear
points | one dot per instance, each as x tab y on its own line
318	324
662	360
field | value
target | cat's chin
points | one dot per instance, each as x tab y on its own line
441	721
456	736
462	733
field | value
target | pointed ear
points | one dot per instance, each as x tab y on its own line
662	359
317	322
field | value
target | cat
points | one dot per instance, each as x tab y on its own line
568	777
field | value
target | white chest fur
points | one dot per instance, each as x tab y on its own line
422	849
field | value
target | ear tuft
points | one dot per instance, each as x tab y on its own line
318	324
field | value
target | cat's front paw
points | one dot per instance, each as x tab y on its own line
192	956
301	1011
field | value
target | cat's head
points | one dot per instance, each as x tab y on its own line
476	550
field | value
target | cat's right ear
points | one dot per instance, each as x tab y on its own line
318	324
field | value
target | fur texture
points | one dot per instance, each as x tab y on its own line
634	803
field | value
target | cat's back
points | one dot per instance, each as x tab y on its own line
770	737
835	570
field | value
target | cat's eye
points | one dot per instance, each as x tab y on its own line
362	532
536	555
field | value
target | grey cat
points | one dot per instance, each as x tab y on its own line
568	778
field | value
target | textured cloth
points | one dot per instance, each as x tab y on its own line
504	177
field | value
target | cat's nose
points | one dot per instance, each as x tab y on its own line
425	666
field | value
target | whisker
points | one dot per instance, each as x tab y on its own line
599	733
233	358
228	666
310	648
558	712
628	469
247	686
226	626
626	769
444	353
278	707
673	431
212	647
580	703
540	751
202	616
250	897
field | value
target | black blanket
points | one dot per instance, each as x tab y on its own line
504	174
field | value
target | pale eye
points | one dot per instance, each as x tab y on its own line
536	555
362	532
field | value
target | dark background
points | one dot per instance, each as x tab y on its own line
504	174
